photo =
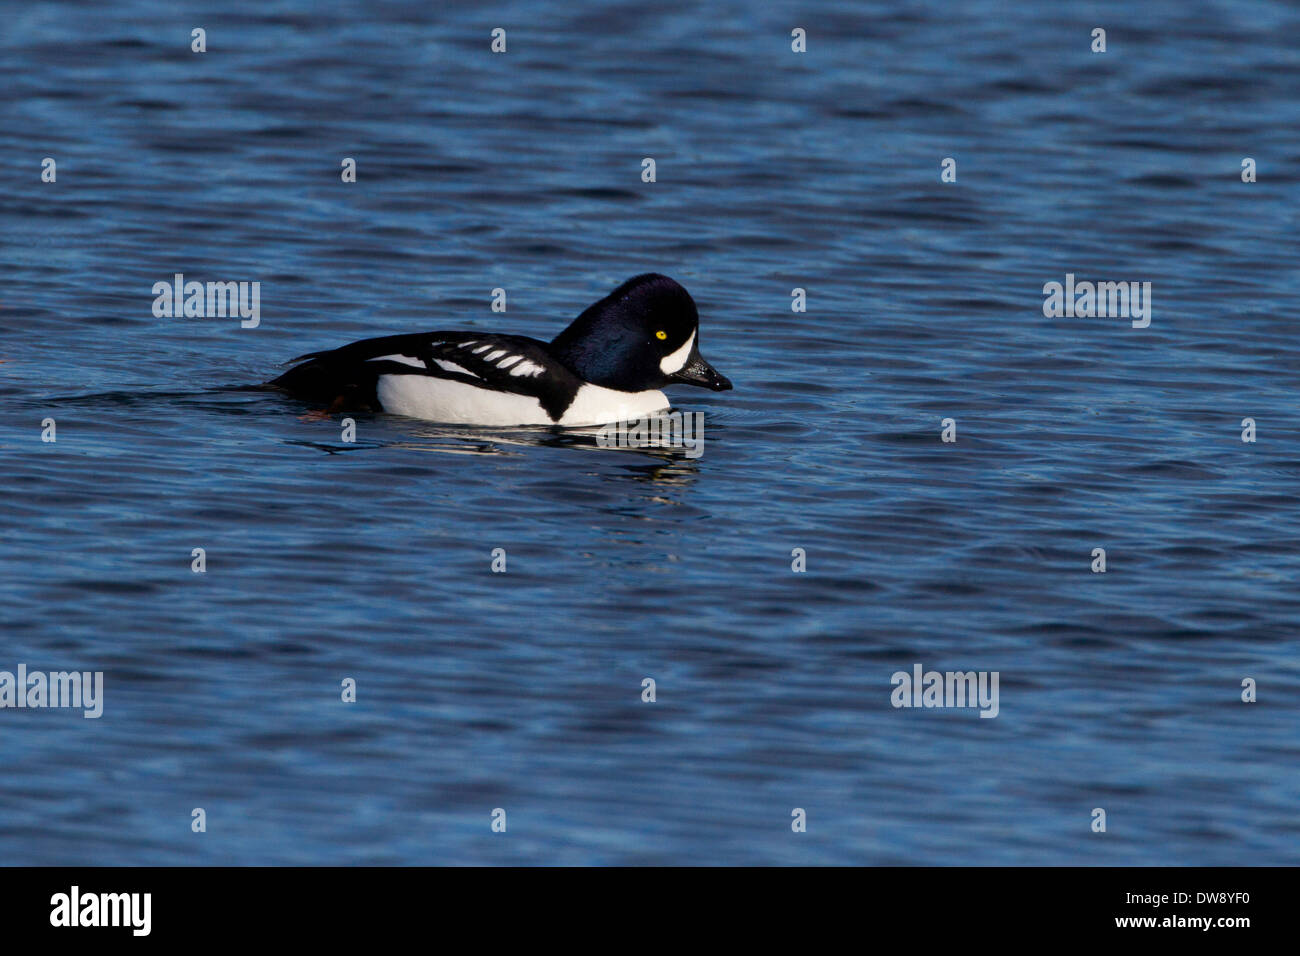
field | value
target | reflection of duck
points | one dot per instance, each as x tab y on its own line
502	440
608	366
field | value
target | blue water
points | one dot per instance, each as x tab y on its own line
521	690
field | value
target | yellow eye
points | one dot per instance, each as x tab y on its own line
661	335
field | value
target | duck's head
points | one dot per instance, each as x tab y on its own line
643	335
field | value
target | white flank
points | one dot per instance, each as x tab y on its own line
674	362
459	403
456	403
594	405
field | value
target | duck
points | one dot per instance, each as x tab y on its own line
609	365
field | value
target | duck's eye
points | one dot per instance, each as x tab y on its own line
661	335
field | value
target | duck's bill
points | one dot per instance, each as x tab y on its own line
700	372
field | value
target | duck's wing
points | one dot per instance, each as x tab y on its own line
346	378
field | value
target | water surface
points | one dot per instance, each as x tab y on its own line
371	560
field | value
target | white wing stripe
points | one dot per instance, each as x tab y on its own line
453	367
517	364
527	368
402	359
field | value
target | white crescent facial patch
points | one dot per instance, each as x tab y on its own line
674	362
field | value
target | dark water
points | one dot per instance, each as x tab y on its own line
775	170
